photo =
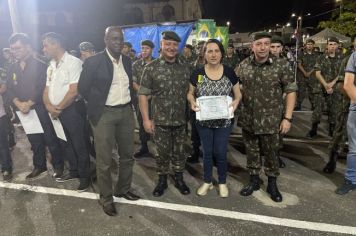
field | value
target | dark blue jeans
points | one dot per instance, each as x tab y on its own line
214	142
351	155
5	156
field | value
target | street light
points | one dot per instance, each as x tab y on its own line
288	24
228	23
293	14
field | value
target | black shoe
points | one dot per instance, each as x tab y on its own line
83	185
347	187
180	184
6	176
272	189
65	178
57	174
313	131
281	163
161	186
252	186
128	196
330	167
36	173
142	153
110	209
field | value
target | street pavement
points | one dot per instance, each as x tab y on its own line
310	206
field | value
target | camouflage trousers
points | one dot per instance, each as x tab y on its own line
338	141
268	144
169	141
305	87
331	101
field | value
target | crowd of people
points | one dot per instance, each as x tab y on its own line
95	96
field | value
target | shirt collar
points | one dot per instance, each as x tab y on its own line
112	58
61	61
269	61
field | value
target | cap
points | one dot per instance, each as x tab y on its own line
189	46
171	35
260	35
333	39
128	44
86	46
148	43
277	39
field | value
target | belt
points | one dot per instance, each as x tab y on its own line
118	106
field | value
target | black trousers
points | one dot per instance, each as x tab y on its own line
5	156
76	148
40	141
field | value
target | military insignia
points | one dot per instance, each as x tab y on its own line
200	79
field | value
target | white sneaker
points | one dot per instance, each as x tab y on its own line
223	190
203	190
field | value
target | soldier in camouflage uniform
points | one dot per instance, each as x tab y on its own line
231	59
339	138
137	70
326	70
264	79
305	77
188	56
166	79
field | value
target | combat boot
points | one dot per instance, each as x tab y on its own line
253	185
331	129
314	131
194	157
272	189
161	186
180	184
331	165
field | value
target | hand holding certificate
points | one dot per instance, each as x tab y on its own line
214	107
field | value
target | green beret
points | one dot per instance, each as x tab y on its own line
189	46
310	41
148	43
260	35
333	39
171	35
128	44
277	39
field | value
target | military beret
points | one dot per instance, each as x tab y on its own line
86	46
171	35
333	39
260	35
310	41
189	46
148	43
277	39
128	44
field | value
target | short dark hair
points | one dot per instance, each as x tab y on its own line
353	38
56	38
217	42
22	37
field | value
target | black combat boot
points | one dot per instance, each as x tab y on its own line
194	157
253	185
331	129
272	189
314	131
161	186
331	165
180	184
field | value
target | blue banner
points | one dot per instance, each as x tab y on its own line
135	35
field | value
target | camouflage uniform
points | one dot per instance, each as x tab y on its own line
232	62
263	86
342	103
307	85
168	84
329	68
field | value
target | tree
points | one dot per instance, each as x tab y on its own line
343	22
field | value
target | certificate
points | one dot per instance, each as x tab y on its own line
58	128
214	107
30	122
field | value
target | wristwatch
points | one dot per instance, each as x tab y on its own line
288	119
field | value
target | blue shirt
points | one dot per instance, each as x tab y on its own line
351	64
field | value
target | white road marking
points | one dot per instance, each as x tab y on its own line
299	224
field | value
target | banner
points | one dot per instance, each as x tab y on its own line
222	34
135	35
205	29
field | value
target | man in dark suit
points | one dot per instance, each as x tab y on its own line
106	85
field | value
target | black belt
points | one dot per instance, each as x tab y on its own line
118	106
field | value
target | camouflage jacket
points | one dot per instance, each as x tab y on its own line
231	61
137	70
263	86
328	66
168	84
307	60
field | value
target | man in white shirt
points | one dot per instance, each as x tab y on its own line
60	99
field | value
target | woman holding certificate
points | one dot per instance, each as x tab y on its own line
214	95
